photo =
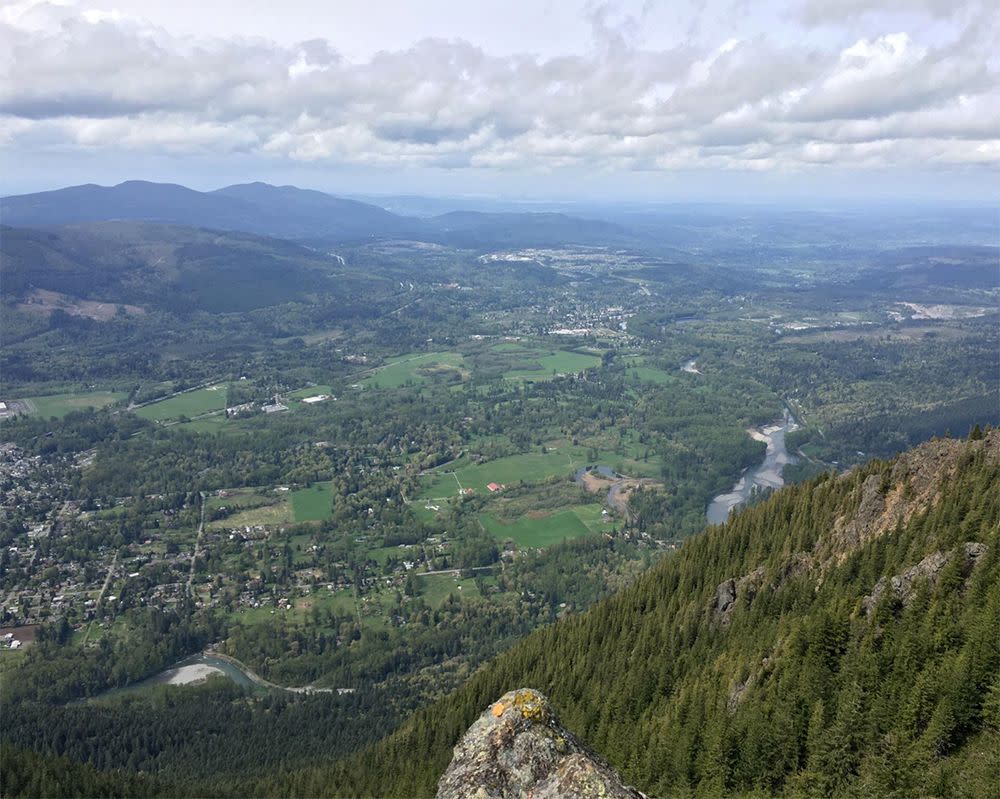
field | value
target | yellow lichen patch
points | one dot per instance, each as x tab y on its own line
531	705
498	709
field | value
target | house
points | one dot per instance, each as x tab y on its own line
494	487
236	410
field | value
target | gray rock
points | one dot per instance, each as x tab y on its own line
728	591
517	749
904	585
725	596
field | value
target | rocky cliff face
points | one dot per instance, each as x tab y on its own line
517	749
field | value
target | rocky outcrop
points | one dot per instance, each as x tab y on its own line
725	597
905	584
913	484
517	749
728	591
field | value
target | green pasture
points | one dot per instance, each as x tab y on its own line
210	424
312	504
546	363
312	391
416	369
59	405
190	403
529	467
592	517
546	530
561	459
435	588
278	513
425	514
649	374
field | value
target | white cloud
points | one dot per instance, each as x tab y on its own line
99	79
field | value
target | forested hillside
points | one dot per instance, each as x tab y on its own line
840	639
159	267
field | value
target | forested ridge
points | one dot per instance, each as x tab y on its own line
801	687
773	655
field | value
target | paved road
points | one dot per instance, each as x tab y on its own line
456	572
197	543
104	588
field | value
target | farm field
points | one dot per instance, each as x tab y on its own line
896	334
59	405
417	369
536	531
529	467
312	504
649	374
312	391
436	588
549	363
428	514
278	513
210	424
191	403
561	460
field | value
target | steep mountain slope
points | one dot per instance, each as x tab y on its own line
842	638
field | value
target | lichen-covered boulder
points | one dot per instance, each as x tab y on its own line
518	749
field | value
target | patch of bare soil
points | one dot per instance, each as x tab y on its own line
43	301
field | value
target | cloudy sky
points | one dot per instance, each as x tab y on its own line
682	99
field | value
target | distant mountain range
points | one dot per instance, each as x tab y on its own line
280	211
292	213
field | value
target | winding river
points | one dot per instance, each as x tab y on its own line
193	669
766	475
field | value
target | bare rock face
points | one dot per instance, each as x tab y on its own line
517	749
914	484
728	591
904	585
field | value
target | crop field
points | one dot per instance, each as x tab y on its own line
59	405
190	403
417	369
312	504
536	530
